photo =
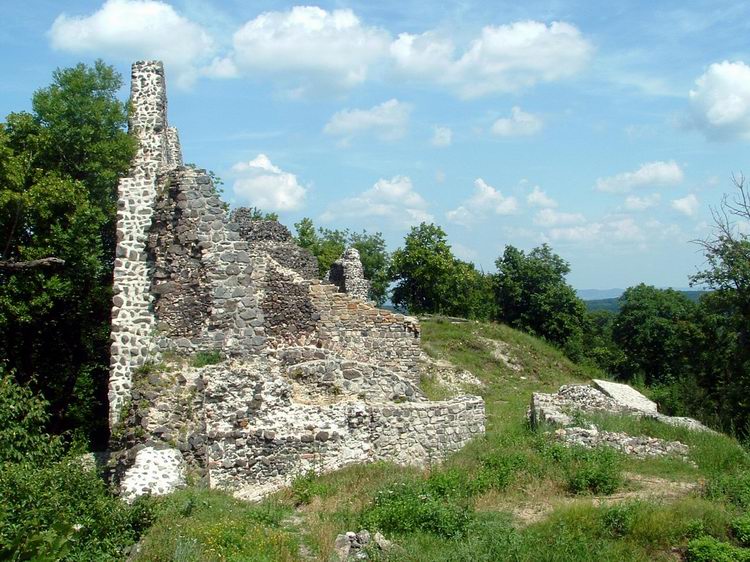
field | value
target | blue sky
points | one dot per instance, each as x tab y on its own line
606	130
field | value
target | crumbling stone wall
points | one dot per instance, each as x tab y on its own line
275	239
308	376
349	276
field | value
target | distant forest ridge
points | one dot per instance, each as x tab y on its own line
612	304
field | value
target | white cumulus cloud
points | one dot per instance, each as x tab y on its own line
720	101
393	199
518	124
612	229
309	46
137	29
651	174
687	205
504	58
538	198
441	136
551	217
635	203
262	184
485	199
388	120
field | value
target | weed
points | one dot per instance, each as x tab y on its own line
306	486
204	358
595	471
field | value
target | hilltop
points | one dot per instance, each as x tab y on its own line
513	494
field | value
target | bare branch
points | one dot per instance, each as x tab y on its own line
43	263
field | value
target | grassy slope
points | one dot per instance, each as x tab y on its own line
504	497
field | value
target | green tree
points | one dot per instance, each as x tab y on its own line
423	271
725	314
327	246
531	294
654	328
59	167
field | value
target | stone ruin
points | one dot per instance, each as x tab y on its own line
347	274
564	409
231	361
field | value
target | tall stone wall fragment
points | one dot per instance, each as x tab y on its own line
348	275
132	315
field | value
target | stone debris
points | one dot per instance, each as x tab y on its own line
562	407
626	396
637	446
605	397
501	352
298	373
155	471
446	374
348	275
354	546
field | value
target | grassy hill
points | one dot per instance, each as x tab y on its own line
513	495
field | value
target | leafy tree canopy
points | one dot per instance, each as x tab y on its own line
59	167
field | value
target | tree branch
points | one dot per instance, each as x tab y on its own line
43	263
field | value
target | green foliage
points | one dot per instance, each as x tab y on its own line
654	328
307	486
35	499
196	525
59	167
709	549
258	214
532	294
23	417
597	471
731	486
203	358
413	507
741	529
328	245
48	546
429	279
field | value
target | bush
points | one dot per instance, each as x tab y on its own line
45	500
708	549
618	519
732	487
741	529
410	506
498	469
23	417
595	471
306	487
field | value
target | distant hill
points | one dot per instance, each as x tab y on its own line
599	294
613	304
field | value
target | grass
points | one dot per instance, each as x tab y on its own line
513	494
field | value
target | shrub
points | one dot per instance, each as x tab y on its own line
709	549
44	500
306	486
498	469
595	471
411	506
741	529
733	487
23	417
451	483
203	358
618	519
